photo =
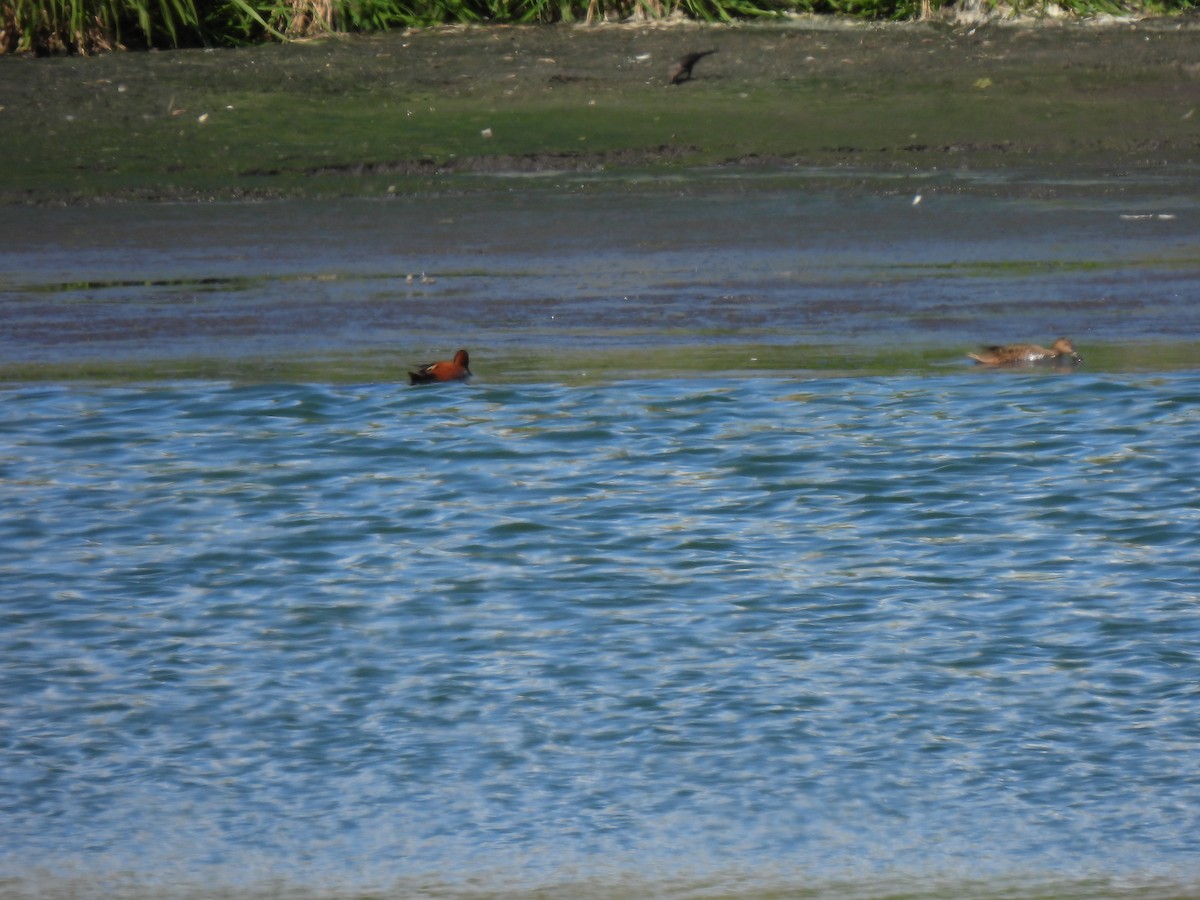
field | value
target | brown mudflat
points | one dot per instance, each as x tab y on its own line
407	111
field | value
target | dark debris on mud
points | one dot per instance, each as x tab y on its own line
505	163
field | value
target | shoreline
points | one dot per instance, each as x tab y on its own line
774	279
464	108
878	199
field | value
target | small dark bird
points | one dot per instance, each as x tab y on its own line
445	370
682	70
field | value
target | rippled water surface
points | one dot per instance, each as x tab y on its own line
728	635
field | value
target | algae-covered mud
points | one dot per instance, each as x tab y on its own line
406	112
815	197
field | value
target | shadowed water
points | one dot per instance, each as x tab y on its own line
747	635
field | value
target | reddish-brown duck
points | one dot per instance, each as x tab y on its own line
444	370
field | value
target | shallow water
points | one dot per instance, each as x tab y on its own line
720	635
608	277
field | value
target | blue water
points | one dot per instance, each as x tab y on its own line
740	635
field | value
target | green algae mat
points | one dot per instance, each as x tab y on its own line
456	107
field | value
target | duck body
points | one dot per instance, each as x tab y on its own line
456	369
1062	353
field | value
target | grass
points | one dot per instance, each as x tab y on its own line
69	26
88	26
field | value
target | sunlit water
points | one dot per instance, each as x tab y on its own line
744	635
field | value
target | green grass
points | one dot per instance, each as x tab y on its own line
71	26
90	26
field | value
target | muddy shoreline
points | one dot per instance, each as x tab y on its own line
442	109
815	199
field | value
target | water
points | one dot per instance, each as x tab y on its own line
673	276
699	636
